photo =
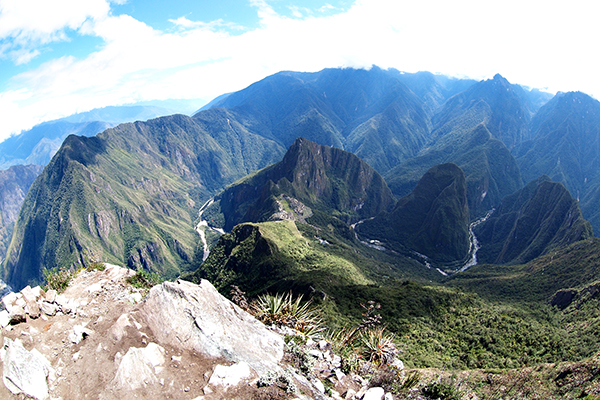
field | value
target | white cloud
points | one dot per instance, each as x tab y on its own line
532	43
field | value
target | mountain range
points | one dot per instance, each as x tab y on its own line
345	185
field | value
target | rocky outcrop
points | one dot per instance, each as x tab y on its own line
198	318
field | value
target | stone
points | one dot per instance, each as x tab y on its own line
137	367
31	307
134	298
63	302
350	394
232	375
25	371
9	300
17	315
318	385
388	396
198	318
51	296
4	318
48	308
374	393
79	333
398	364
118	330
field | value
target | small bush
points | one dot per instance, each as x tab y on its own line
144	279
57	279
284	310
442	389
96	266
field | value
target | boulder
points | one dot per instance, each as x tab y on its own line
374	393
49	309
139	366
231	375
25	371
4	318
51	296
198	318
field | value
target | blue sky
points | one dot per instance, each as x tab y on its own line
60	57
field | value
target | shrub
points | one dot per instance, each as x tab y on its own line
96	266
144	279
57	279
284	310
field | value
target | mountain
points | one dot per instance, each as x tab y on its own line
531	222
131	195
320	177
433	89
14	184
38	144
495	102
565	145
369	113
490	169
432	220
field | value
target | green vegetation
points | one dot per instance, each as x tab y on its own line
58	279
144	280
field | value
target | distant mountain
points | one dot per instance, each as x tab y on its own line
131	195
433	89
530	222
432	220
14	184
370	113
501	106
323	178
565	145
490	169
40	143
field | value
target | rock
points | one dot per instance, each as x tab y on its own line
51	296
198	318
350	394
318	384
138	367
388	396
48	308
232	375
118	330
4	318
134	298
316	354
79	333
17	315
63	302
9	300
31	307
398	364
25	372
374	393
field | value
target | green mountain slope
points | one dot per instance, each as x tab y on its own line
14	184
370	113
565	145
130	195
432	220
324	178
534	220
491	171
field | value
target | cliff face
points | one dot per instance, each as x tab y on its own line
14	184
541	216
321	177
432	220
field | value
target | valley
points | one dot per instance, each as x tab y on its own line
464	209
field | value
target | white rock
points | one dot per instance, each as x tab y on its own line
398	364
388	396
374	393
232	375
9	300
51	296
4	318
137	367
48	308
79	333
134	298
24	371
318	384
94	287
118	330
37	292
198	318
350	394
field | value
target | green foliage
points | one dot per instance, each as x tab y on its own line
95	266
284	310
144	280
58	279
442	389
